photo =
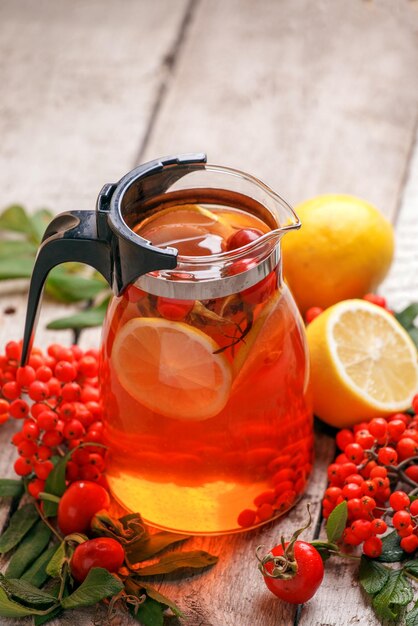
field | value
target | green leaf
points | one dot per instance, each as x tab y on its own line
407	316
411	618
98	585
9	608
16	219
37	574
43	619
153	545
25	592
89	318
55	484
70	287
373	576
396	593
31	546
10	488
176	561
39	222
413	333
411	567
57	561
391	549
150	613
11	268
54	590
159	597
16	248
20	523
336	522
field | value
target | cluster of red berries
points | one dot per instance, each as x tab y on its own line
57	398
377	458
314	311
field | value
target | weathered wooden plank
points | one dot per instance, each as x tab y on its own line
311	97
401	285
79	80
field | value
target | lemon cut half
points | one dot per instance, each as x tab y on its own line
363	363
170	368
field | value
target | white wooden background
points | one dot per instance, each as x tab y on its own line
311	96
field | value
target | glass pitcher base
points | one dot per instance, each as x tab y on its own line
210	509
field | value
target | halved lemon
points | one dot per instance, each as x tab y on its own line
363	363
170	367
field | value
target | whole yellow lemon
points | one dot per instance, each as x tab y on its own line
343	250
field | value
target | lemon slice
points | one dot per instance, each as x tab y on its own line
262	344
363	363
170	367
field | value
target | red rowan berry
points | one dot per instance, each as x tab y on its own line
43	469
413	507
71	392
13	350
38	391
44	374
372	547
365	439
65	372
401	520
27	448
52	438
72	471
399	500
374	298
4	406
73	429
378	526
352	490
354	508
412	472
354	452
88	366
25	376
54	387
80	456
354	478
35	486
19	409
405	532
368	504
44	453
361	529
23	466
410	543
396	428
343	438
268	497
11	390
30	430
378	471
378	427
406	447
387	456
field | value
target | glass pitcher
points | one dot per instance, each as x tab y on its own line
204	367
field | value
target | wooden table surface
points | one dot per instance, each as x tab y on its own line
311	97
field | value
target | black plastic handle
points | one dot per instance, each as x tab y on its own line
104	239
70	236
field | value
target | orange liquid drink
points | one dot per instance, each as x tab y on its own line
207	417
